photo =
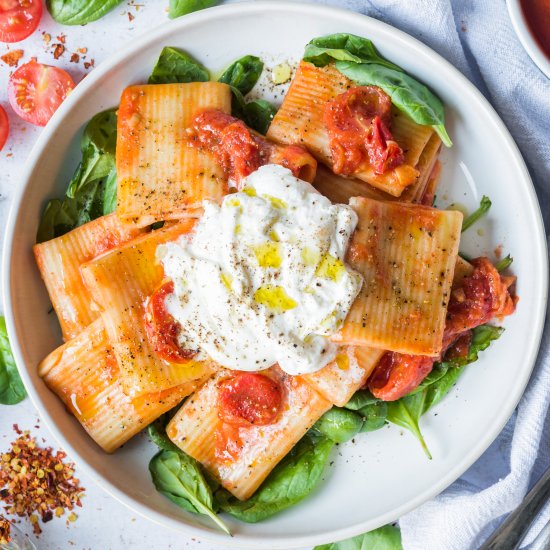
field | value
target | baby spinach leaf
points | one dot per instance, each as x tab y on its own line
339	425
157	433
291	481
243	73
92	189
12	390
174	65
178	8
344	47
406	93
505	263
258	114
406	412
484	206
178	477
79	12
360	399
374	416
387	537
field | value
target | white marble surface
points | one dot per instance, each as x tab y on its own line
102	523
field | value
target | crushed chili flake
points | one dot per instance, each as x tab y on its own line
89	64
75	58
35	482
58	50
62	38
82	50
12	58
130	17
5	530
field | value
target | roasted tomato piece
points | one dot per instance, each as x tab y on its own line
240	151
235	148
4	128
162	329
35	91
19	19
398	374
358	125
483	295
249	398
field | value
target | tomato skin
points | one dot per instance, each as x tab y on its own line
4	127
249	398
397	374
162	329
35	91
358	125
19	19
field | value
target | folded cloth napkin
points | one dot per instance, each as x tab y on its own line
477	37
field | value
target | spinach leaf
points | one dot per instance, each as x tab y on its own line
92	190
406	412
79	12
339	425
178	8
291	481
374	416
505	263
344	47
178	477
243	73
174	65
157	433
484	206
406	93
12	390
387	537
360	399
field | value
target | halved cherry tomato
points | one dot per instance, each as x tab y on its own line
19	19
249	398
35	91
398	374
4	128
162	329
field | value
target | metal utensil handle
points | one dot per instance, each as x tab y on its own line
512	530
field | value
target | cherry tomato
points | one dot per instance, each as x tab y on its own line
249	398
19	19
4	128
162	329
35	91
398	374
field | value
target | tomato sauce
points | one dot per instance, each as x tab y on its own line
358	124
240	151
537	15
162	329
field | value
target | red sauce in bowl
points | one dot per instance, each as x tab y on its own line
537	15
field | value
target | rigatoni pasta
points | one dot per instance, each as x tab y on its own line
407	255
84	373
59	261
160	175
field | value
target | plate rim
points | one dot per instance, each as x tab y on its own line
297	9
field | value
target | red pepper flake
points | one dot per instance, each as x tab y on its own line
12	58
5	530
62	38
89	64
82	50
58	50
36	482
130	17
75	58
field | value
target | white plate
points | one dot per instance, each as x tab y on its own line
383	474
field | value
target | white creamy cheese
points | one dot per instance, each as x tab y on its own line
261	280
